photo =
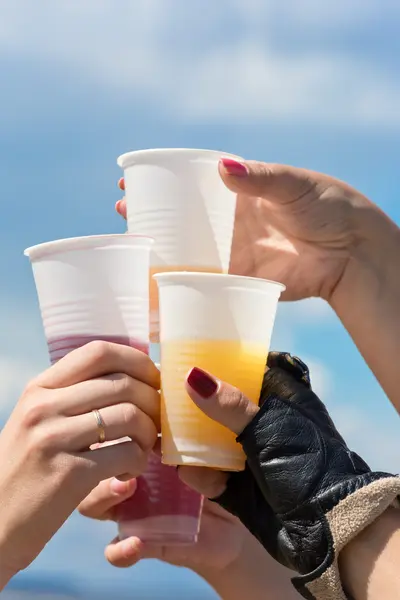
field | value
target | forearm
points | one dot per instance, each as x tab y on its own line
369	565
367	300
4	579
7	568
254	576
5	573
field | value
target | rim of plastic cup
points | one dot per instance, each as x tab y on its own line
83	242
242	281
136	157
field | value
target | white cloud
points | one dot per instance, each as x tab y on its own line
14	374
22	351
310	311
372	432
376	440
323	15
223	64
251	80
321	377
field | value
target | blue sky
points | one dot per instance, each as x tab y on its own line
310	83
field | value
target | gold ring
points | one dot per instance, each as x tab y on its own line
100	426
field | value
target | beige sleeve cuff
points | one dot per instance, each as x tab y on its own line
346	521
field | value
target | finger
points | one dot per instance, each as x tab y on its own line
220	401
107	391
208	482
127	552
97	359
124	553
120	207
118	460
121	184
120	420
292	365
278	183
101	502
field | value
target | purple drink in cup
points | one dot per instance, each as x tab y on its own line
97	288
59	347
163	510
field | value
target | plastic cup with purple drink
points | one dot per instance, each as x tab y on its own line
163	510
97	288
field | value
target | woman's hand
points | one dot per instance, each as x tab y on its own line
303	494
219	544
226	555
320	237
47	466
292	225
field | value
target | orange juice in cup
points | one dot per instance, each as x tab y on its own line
222	324
241	364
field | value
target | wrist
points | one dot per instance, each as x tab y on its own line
367	298
6	571
369	561
6	574
372	257
253	572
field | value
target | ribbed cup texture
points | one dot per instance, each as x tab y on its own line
125	317
188	435
162	509
181	201
204	241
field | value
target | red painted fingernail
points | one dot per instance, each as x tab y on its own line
201	382
233	167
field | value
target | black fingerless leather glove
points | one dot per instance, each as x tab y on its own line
304	494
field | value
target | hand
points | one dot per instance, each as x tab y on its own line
320	237
226	555
47	465
292	225
220	539
304	494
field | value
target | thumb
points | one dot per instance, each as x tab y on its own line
220	401
277	183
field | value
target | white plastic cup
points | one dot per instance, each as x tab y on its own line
97	288
176	196
221	324
91	288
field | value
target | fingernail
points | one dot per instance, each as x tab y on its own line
202	383
120	487
233	167
129	547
